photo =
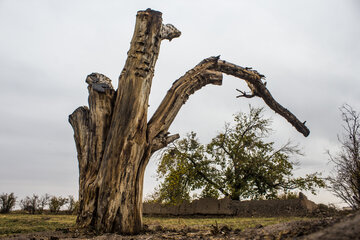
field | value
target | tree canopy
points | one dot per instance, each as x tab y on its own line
238	163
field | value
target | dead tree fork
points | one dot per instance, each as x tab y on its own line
114	140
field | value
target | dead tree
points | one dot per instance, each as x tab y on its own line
114	141
345	179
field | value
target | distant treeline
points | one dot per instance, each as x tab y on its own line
39	204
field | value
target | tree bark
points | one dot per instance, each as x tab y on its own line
113	139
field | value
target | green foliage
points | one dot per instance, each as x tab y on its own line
180	175
56	203
7	202
237	163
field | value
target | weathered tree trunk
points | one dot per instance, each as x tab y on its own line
114	141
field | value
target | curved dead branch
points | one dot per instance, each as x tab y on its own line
206	72
258	88
180	91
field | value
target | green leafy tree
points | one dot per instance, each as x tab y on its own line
237	163
180	175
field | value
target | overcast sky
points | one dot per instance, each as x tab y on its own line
308	50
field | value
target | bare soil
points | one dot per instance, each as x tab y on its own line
337	227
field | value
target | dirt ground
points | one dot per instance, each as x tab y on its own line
347	227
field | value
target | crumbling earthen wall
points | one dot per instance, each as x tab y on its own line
254	208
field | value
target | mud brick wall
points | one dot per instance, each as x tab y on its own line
254	208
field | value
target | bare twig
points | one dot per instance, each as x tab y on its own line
244	94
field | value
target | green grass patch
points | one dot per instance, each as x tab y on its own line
26	223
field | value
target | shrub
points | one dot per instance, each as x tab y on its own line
34	204
43	202
56	203
73	205
29	204
7	202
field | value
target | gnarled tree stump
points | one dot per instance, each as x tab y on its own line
114	141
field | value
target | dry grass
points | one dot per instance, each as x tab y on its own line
26	223
205	223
